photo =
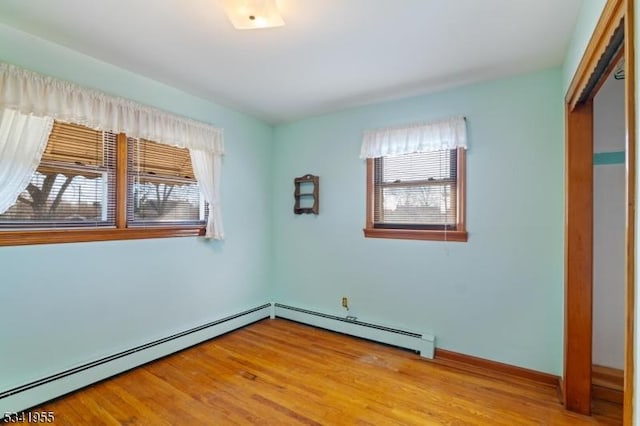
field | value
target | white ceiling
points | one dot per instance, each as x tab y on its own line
330	55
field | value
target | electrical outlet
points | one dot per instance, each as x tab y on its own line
345	303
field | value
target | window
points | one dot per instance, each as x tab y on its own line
417	196
90	185
83	191
162	188
73	186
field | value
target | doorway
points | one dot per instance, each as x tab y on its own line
608	238
612	41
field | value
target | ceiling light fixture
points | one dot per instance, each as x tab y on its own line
253	14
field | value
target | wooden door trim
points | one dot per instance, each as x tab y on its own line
578	258
630	256
612	15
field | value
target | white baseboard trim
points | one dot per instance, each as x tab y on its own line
34	393
423	343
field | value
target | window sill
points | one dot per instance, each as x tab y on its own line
415	234
56	236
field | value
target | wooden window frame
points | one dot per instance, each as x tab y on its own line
119	232
459	234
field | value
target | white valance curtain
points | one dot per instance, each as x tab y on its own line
35	95
438	135
32	93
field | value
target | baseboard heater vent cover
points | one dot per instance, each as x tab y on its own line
34	393
421	342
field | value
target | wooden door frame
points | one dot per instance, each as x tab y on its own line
618	15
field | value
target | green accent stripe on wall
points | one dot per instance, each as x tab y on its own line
616	157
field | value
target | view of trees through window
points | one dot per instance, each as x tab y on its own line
61	196
420	205
162	185
166	201
75	183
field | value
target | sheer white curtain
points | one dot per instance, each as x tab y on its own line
438	135
34	95
23	138
206	167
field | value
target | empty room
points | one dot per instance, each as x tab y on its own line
318	212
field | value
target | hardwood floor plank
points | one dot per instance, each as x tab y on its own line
277	372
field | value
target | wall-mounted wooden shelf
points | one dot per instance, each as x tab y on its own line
306	194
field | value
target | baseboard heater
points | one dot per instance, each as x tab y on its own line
420	342
36	392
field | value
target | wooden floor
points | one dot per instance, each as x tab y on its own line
277	372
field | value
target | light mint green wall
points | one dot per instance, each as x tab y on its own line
500	295
70	303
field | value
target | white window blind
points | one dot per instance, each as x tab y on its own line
416	191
